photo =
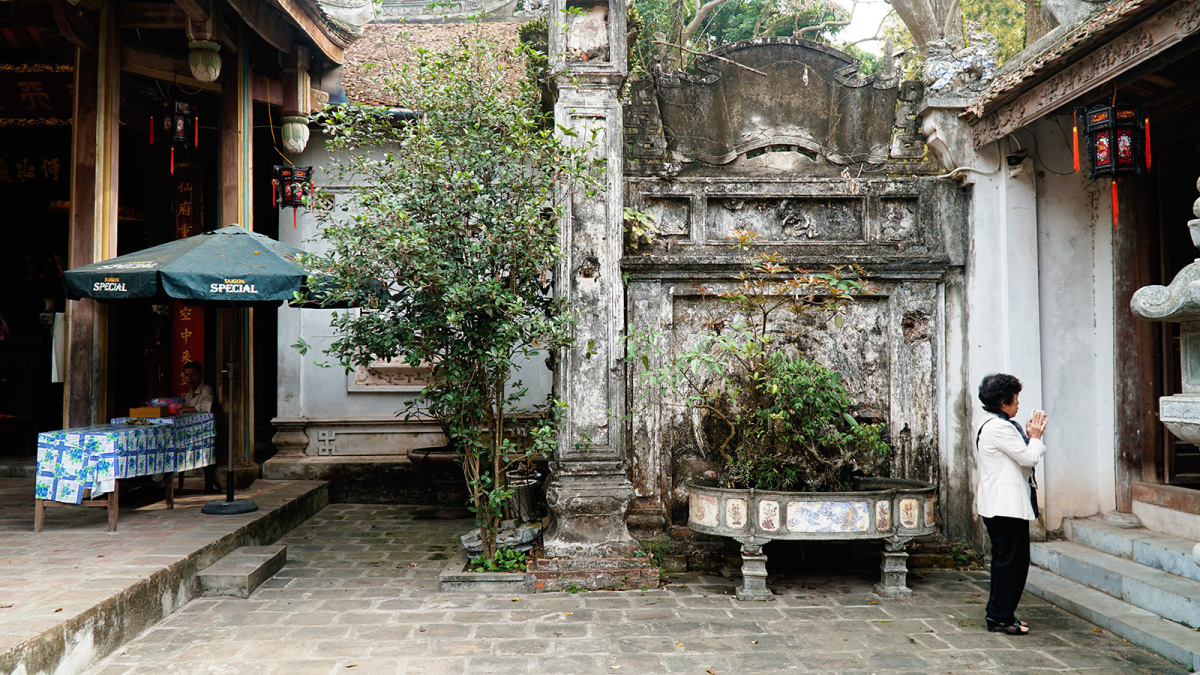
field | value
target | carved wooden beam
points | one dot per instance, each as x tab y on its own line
269	24
197	10
161	66
72	24
151	15
1123	53
314	31
166	16
265	90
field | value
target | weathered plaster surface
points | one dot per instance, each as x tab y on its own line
1074	261
907	232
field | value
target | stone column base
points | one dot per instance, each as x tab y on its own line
589	510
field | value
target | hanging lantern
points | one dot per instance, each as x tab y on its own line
1118	142
177	126
204	58
291	187
294	131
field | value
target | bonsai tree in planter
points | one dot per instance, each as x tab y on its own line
771	418
453	209
780	427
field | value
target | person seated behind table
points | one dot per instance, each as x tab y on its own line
199	397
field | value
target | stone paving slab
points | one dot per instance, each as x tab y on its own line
74	591
329	610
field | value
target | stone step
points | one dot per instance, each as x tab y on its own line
1154	549
1167	595
239	573
1141	627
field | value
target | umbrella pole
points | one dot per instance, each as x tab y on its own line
230	506
229	406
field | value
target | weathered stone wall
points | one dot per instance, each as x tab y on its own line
908	233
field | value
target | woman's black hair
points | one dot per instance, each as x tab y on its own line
998	389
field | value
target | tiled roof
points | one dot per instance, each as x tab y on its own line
1090	34
385	47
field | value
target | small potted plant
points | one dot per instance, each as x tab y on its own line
792	459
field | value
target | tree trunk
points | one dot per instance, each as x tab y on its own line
1036	24
930	20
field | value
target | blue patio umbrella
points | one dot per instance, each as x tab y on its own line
228	267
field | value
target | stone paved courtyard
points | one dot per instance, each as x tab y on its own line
359	595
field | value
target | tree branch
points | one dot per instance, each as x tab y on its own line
711	56
694	25
829	24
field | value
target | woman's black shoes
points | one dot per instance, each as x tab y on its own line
1016	627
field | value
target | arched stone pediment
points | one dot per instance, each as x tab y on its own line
778	92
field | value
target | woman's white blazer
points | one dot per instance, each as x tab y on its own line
1005	462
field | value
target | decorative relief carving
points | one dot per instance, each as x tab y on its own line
326	442
1123	53
898	218
790	219
390	375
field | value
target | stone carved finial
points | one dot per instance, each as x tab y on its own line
969	68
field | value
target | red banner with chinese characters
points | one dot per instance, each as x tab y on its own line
187	322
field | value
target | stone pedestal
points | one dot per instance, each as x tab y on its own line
893	570
754	571
589	510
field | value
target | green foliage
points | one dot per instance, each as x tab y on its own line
1004	19
964	556
639	228
657	549
505	560
737	20
453	210
775	419
729	22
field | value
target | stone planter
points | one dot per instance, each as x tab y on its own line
891	509
455	579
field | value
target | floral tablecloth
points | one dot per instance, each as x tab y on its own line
194	437
72	461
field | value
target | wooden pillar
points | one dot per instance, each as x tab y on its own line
237	203
93	219
1138	430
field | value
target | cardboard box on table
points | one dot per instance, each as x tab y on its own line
150	411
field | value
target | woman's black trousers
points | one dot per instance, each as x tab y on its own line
1010	565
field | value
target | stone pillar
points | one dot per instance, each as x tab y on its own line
589	492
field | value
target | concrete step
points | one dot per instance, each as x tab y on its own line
1154	549
1167	595
239	573
1139	626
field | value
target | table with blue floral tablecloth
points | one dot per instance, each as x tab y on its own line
194	435
91	459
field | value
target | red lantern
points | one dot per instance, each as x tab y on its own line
1118	141
292	186
177	126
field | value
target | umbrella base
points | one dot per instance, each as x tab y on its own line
226	508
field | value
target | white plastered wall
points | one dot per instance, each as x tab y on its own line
1076	266
321	395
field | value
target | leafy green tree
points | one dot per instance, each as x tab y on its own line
691	26
454	212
